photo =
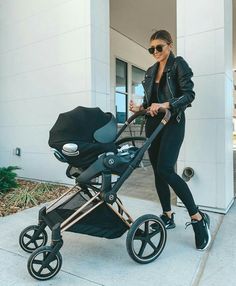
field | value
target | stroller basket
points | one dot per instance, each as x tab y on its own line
101	222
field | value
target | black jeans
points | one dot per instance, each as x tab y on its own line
163	154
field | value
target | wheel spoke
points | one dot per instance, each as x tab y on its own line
50	268
40	270
152	244
154	233
142	248
28	236
28	243
36	261
36	244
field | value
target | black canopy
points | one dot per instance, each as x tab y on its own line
91	129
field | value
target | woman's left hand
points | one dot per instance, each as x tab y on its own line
153	110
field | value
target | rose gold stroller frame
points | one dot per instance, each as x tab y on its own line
79	214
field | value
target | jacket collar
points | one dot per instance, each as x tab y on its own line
153	69
170	62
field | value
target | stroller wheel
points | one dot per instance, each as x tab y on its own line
143	243
44	263
32	238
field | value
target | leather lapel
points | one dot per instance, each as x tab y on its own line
149	80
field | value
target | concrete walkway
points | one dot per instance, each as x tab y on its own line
95	261
90	261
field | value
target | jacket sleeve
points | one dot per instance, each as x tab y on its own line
185	86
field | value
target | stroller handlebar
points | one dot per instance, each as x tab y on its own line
166	117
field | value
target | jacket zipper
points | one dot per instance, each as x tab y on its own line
169	86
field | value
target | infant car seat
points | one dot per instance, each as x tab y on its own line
80	135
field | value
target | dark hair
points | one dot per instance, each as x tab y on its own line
162	35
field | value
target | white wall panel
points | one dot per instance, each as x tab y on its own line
59	19
39	111
98	10
204	59
5	158
181	46
209	102
65	48
203	183
43	167
57	80
100	52
208	144
200	138
19	10
101	100
203	15
46	68
100	79
31	139
181	19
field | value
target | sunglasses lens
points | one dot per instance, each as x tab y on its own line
159	48
151	50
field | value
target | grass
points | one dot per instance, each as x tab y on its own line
28	194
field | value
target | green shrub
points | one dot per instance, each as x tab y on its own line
8	178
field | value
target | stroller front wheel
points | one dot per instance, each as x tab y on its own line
44	263
143	243
32	237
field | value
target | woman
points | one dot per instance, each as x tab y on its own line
168	84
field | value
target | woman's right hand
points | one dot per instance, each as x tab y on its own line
133	107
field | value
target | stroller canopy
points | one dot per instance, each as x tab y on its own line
92	130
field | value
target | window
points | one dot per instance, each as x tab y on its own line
121	91
137	77
127	87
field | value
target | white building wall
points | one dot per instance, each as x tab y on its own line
47	66
204	37
54	56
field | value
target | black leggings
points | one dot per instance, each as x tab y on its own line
163	154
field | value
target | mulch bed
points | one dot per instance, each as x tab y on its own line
28	194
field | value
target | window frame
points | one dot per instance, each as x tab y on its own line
128	94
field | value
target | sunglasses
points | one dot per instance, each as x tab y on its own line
158	48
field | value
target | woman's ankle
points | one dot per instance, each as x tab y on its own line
169	214
196	216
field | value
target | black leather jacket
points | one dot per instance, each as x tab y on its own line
176	83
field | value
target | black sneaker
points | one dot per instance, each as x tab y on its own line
202	231
168	222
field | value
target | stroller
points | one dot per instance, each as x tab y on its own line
87	140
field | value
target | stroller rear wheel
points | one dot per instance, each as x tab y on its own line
32	237
143	243
44	263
